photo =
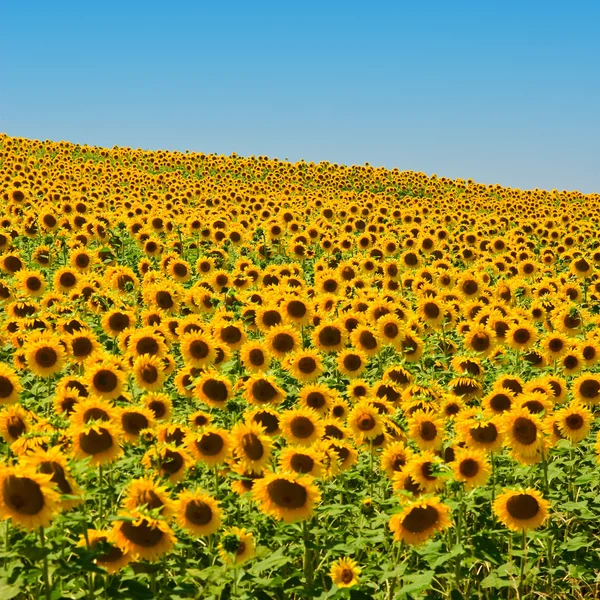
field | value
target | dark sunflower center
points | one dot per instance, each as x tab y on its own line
23	495
210	444
158	407
149	373
589	388
330	336
522	507
257	357
118	322
199	349
82	346
142	535
147	345
302	463
287	494
296	309
263	391
480	342
15	427
500	402
58	475
431	310
367	340
164	300
307	365
283	342
428	431
574	422
215	390
94	442
252	446
198	513
469	467
172	462
391	330
67	280
231	334
346	576
525	431
95	414
486	434
134	422
302	427
352	362
105	381
316	400
420	519
46	357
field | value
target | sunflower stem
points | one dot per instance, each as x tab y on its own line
45	564
523	561
545	473
459	520
216	474
100	510
308	573
372	473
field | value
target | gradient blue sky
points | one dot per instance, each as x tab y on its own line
503	92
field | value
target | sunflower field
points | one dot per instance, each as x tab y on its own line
227	377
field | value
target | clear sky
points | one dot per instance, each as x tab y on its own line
499	91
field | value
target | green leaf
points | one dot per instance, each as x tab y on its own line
575	543
494	581
8	591
417	583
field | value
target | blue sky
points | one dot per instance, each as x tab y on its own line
501	92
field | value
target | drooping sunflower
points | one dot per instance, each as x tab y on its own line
251	446
170	461
198	513
237	546
419	520
267	418
394	458
133	420
53	462
15	421
288	497
479	431
106	554
521	509
412	347
144	496
99	442
27	497
426	470
301	426
345	573
142	537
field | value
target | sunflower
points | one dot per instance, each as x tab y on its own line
255	356
147	341
394	458
304	365
480	339
115	321
54	463
197	349
142	537
15	421
426	430
281	340
305	461
426	470
524	432
351	363
133	420
296	310
213	389
521	509
106	554
99	442
211	446
198	513
32	283
419	520
45	356
344	573
412	347
288	497
105	379
66	279
317	397
390	329
471	467
479	431
586	389
92	409
10	385
251	446
263	389
81	346
535	402
498	401
27	497
160	404
148	372
199	419
554	345
265	417
571	362
230	333
574	421
145	496
329	336
467	388
301	426
365	421
237	546
366	340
